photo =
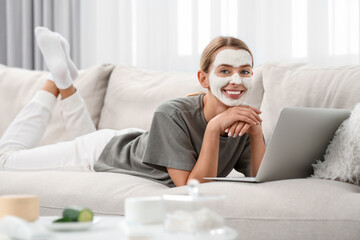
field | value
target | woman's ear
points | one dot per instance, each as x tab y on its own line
203	79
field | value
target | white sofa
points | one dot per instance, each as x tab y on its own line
121	96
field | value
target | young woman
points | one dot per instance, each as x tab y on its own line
205	135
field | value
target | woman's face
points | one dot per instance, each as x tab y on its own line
230	76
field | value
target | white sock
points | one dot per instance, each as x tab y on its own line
54	56
71	66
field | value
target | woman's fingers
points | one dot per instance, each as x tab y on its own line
238	128
244	129
255	112
254	109
256	115
249	113
231	131
247	118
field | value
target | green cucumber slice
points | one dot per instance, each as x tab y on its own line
76	214
85	215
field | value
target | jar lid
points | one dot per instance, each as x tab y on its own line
193	194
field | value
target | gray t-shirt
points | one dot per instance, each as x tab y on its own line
174	140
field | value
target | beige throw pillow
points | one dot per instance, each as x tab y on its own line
18	86
133	95
304	85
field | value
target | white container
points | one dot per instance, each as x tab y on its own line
194	212
144	210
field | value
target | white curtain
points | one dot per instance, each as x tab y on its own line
169	35
18	18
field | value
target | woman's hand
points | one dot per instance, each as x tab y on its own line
240	128
237	120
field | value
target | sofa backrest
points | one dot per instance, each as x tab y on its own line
124	96
133	94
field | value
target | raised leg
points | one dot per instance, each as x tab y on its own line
75	115
56	50
18	149
29	125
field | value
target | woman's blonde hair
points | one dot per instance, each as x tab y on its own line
207	56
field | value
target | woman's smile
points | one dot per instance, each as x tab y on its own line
234	93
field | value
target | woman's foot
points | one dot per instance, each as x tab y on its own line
55	57
71	66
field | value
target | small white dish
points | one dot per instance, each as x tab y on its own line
225	233
70	226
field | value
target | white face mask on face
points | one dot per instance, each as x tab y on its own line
233	58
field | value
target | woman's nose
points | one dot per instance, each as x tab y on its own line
236	79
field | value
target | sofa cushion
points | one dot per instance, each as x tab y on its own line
287	209
304	85
17	87
133	95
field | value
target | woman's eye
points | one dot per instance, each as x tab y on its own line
245	72
224	71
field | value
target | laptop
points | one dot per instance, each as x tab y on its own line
300	137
